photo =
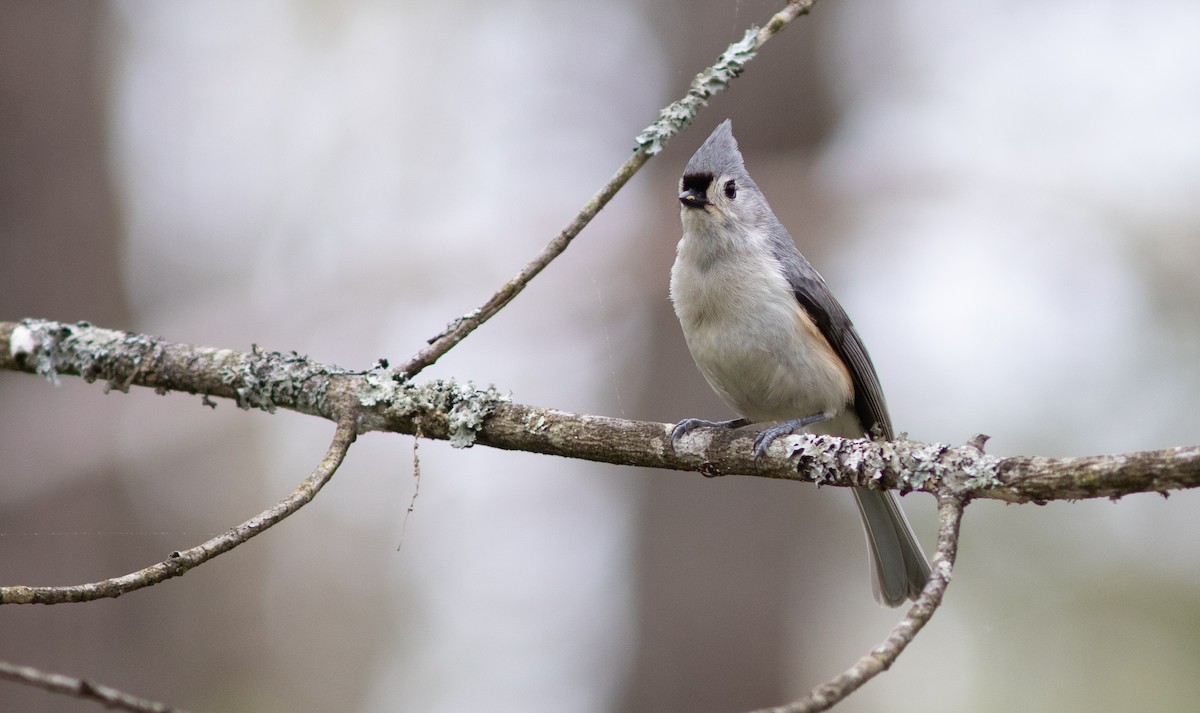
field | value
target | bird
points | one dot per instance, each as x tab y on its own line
775	344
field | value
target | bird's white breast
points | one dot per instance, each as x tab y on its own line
750	338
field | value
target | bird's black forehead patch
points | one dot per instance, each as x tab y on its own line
698	182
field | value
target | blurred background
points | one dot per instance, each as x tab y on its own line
1003	195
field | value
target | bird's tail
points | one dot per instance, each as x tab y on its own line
899	569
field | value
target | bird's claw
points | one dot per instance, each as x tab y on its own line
685	427
769	435
688	425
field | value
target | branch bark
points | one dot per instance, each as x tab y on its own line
82	688
382	400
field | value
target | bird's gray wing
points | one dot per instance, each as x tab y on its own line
814	296
899	569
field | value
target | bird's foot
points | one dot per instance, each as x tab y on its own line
768	436
688	425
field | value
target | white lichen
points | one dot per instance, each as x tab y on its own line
22	342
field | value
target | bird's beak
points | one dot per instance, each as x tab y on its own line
692	198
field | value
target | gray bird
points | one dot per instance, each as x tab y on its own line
775	344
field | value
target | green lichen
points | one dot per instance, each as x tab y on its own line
677	115
463	406
912	465
91	352
266	380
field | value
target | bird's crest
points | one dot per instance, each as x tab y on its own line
718	155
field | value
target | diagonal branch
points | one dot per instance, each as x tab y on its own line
881	658
672	119
178	563
81	688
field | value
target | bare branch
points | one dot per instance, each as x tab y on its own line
672	119
81	688
178	563
462	414
881	658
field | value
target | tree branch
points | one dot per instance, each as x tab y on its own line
673	119
881	658
81	688
178	563
383	401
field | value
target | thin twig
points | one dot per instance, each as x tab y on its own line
416	473
180	562
81	688
672	120
880	658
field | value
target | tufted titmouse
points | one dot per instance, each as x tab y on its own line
774	343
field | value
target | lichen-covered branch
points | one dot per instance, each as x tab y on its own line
678	115
672	119
382	400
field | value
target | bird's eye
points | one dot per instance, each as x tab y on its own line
730	189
